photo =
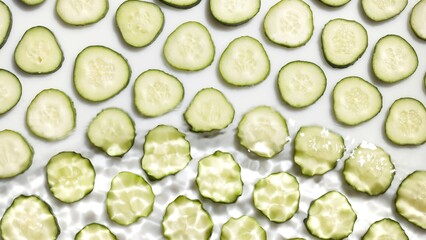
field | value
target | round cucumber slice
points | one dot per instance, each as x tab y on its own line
10	91
157	93
355	101
227	185
209	110
244	62
385	228
301	83
263	131
100	73
6	20
79	13
417	22
16	154
139	22
113	131
189	47
410	199
234	12
343	42
70	176
289	23
277	196
335	3
394	59
95	231
184	4
32	2
51	115
38	51
406	122
129	198
242	228
382	10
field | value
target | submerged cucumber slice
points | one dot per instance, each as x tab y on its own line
38	51
331	216
189	47
289	23
79	13
6	23
263	131
394	59
343	42
385	228
242	228
277	196
10	90
139	22
355	101
95	231
166	152
406	122
227	185
113	131
317	150
301	83
209	110
186	219
181	3
410	198
157	93
369	169
417	19
16	154
100	73
30	218
335	3
382	10
234	12
70	176
129	198
51	115
244	62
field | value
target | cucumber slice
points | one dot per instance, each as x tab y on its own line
70	176
406	122
6	23
263	131
209	110
410	198
343	42
382	10
51	115
139	22
16	154
10	91
227	185
157	93
166	152
129	198
80	13
277	196
331	216
289	23
244	62
394	59
317	150
183	4
335	3
38	51
417	22
355	101
369	169
32	2
234	12
385	228
95	231
30	218
189	47
301	83
113	131
186	219
100	73
242	228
